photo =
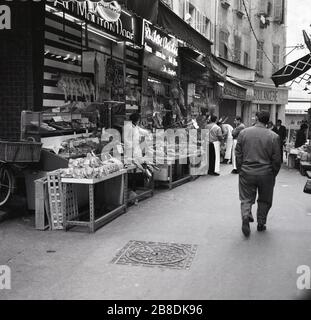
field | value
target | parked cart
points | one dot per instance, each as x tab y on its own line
15	156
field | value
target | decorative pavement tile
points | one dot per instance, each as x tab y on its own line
156	254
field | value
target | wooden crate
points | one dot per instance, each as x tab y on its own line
58	197
42	211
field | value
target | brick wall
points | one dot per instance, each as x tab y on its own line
19	82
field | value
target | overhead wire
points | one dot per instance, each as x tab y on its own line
254	33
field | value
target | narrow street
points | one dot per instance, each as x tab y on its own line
205	212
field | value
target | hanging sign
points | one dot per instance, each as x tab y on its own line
108	15
161	49
5	18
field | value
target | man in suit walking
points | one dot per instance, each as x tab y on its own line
258	163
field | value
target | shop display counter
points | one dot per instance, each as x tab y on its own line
173	173
304	166
106	200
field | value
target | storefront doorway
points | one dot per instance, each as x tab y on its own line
227	109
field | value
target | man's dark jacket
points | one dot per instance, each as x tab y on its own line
281	132
258	151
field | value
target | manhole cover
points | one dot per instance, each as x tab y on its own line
157	254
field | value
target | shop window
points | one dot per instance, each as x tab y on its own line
223	44
246	59
276	58
259	58
237	49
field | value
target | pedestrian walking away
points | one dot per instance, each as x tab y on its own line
280	130
239	126
258	163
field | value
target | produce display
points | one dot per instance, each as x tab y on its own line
79	147
91	167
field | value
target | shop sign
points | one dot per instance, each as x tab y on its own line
266	95
5	18
234	91
154	37
162	48
106	15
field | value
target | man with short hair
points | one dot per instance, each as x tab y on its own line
215	137
258	163
280	130
239	126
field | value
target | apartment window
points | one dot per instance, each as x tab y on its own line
278	10
259	58
223	44
206	27
240	6
169	3
276	58
192	12
237	49
246	59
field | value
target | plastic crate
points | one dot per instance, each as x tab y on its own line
20	151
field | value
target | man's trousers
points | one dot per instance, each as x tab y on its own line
249	186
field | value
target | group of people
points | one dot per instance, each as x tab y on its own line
256	154
223	134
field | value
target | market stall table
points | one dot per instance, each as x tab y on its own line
304	166
173	173
117	189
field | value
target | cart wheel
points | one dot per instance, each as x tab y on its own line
6	185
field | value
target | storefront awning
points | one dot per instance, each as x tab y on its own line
232	90
218	67
237	71
159	14
175	25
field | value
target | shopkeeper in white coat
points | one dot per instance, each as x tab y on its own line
227	130
215	138
132	136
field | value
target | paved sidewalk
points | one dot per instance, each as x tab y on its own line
205	212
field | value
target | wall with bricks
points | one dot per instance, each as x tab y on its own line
21	61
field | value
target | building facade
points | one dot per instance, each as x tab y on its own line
250	37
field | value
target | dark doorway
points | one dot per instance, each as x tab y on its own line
227	109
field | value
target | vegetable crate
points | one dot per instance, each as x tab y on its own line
57	200
20	151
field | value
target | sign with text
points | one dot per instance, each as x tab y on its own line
5	18
269	95
107	16
162	46
233	91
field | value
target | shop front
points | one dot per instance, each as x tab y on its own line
162	97
233	99
197	82
72	69
266	98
